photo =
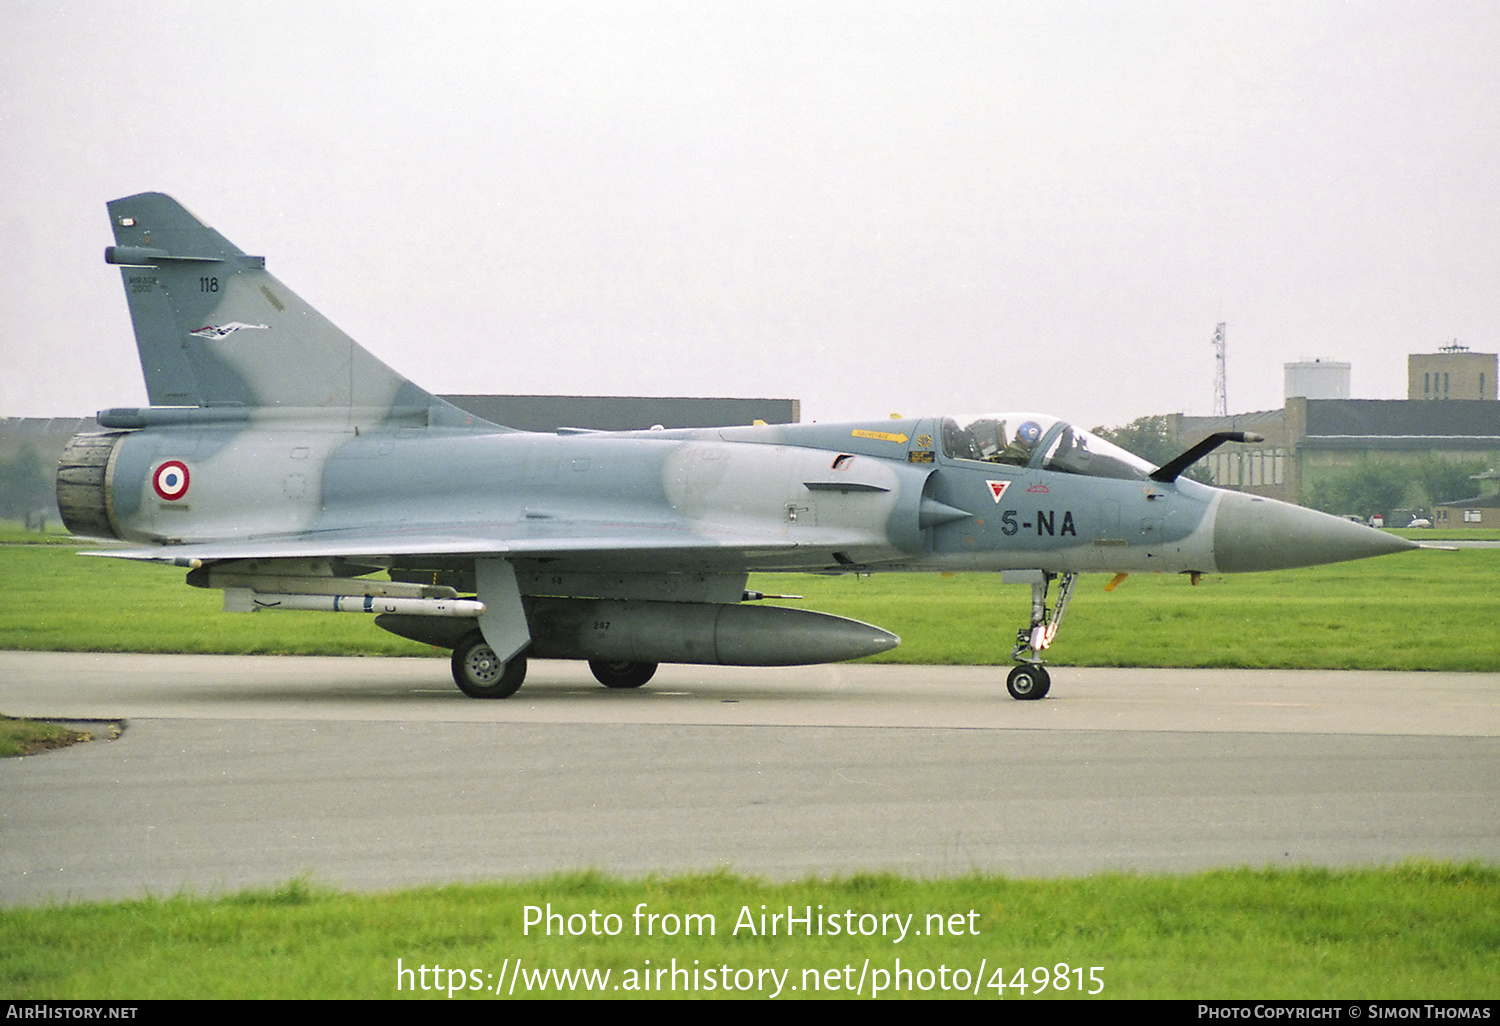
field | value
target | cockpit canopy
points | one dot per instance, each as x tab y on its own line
1038	441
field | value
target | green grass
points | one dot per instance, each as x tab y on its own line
1423	610
1419	930
27	737
12	533
1429	534
1416	611
56	600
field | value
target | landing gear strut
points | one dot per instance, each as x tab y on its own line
1030	681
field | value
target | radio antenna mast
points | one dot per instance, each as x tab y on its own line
1221	397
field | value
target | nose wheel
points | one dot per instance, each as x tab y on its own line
1030	681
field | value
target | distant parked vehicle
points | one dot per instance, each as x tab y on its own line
1419	522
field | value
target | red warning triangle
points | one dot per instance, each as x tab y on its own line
997	488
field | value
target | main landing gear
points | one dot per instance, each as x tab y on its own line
1030	681
621	674
480	673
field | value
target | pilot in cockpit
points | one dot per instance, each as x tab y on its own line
1018	452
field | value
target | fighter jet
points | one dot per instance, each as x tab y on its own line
284	464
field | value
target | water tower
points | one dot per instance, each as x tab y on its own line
1317	379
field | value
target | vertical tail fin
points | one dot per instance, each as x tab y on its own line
215	329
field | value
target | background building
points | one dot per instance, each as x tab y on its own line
1310	439
1356	456
1451	373
1476	511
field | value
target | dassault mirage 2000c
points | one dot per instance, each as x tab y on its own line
284	464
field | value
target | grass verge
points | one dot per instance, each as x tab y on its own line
1418	930
1424	610
27	737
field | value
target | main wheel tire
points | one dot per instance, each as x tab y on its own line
479	673
621	674
1028	683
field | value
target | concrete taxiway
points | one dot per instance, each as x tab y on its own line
377	773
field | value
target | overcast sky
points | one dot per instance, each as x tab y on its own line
875	207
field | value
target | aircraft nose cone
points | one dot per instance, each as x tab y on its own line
1253	533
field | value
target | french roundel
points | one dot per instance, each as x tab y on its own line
171	480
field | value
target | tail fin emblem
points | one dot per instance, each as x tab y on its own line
225	330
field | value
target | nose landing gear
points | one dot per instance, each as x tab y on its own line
1030	681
